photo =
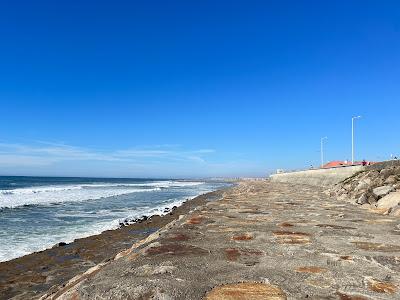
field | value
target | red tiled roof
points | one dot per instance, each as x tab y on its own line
339	163
336	163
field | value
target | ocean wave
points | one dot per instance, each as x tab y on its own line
32	243
64	195
56	188
44	195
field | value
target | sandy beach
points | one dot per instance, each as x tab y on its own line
30	276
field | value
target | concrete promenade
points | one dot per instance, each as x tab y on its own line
262	240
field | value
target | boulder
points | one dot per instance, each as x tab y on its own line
385	173
362	199
367	187
348	187
397	170
389	201
373	174
363	185
382	190
392	179
377	182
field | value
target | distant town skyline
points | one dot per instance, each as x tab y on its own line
183	89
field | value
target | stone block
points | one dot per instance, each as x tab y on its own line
390	200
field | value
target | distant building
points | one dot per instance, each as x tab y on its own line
336	163
339	163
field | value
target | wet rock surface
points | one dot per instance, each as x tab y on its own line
262	240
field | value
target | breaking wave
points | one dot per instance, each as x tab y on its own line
45	195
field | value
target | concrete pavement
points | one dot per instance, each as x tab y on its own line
262	240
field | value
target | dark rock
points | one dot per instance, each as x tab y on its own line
362	199
141	219
61	244
125	222
372	199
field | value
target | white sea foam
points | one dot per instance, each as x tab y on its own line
33	243
43	195
46	224
27	244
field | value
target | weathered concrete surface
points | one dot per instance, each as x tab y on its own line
317	177
32	275
262	240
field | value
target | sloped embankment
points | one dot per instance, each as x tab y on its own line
261	240
377	187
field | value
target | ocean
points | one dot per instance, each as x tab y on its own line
38	212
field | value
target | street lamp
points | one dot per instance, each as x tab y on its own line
352	138
322	150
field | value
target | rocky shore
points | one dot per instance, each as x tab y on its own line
30	276
261	240
376	188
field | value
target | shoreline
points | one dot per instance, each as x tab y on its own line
259	240
33	274
123	222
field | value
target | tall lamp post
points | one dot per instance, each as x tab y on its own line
352	138
322	150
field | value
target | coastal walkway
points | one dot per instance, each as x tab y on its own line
262	240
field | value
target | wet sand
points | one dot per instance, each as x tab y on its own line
30	276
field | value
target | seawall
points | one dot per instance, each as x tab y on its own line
218	251
318	177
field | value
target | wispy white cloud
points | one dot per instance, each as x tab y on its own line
10	160
54	152
60	159
141	153
47	153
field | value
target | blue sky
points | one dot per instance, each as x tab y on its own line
195	88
